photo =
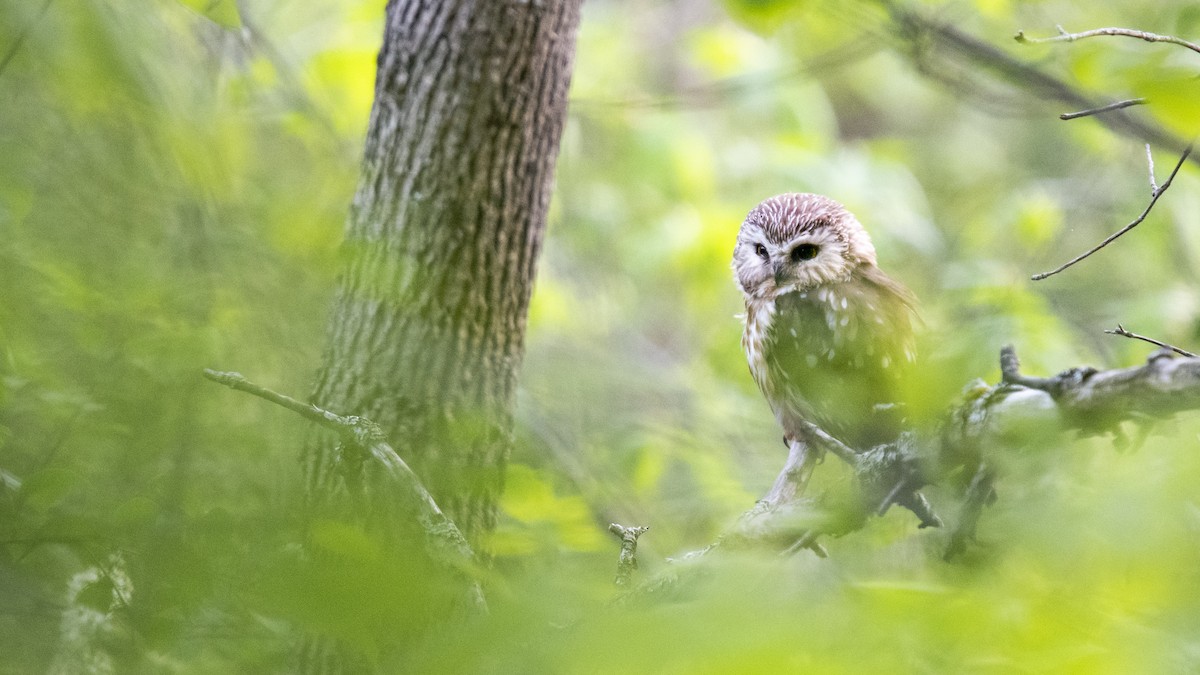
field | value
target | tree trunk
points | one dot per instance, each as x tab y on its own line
427	329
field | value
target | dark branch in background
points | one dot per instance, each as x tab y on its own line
923	35
1103	109
1064	36
361	436
721	91
1124	333
919	36
16	45
256	40
627	560
1155	194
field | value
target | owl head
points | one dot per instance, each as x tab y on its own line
796	242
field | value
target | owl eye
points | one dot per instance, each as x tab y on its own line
805	252
760	251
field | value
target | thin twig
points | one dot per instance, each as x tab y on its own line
1150	167
325	418
1138	221
357	431
930	37
444	541
1103	109
1124	333
1064	36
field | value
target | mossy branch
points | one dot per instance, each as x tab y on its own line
362	438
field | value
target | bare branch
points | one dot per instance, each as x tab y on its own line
1124	333
308	411
1010	371
1094	400
1021	408
444	541
1103	109
925	33
1064	36
1137	221
627	560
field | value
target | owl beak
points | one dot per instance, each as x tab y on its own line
780	269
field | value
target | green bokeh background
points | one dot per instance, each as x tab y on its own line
174	178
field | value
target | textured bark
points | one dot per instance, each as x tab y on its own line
427	329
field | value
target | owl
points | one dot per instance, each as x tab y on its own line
827	333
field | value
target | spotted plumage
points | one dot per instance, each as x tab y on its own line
827	333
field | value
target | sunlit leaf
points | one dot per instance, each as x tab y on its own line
1174	99
764	16
1039	218
533	501
223	12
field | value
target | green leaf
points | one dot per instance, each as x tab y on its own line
763	16
97	595
1174	98
345	539
47	487
137	512
533	501
222	12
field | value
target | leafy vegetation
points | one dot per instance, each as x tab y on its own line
173	181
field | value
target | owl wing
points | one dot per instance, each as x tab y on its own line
835	355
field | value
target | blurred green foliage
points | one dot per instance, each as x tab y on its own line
173	181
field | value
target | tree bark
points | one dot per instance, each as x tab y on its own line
427	329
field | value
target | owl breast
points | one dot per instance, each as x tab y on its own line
832	356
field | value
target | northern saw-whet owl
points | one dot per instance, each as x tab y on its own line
827	333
